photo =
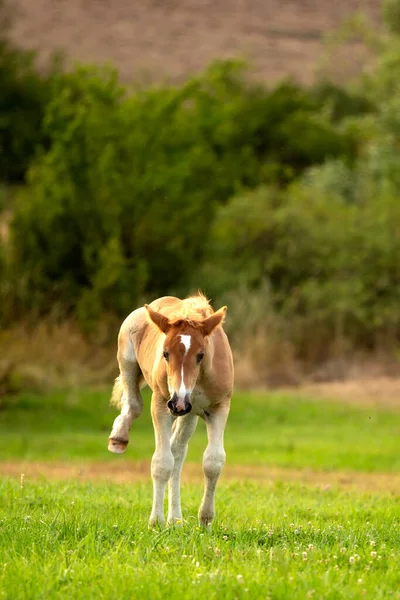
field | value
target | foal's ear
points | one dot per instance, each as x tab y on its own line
158	319
209	324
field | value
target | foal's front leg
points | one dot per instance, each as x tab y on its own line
213	460
127	384
163	461
183	430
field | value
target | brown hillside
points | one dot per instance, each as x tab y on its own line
172	38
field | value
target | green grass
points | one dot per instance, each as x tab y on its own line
83	541
263	429
76	540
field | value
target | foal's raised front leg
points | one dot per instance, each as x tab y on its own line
163	461
183	430
213	460
131	402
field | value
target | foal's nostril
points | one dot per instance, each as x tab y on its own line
179	413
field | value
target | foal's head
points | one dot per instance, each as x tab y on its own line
183	352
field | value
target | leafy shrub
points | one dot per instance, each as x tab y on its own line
121	203
391	15
341	101
332	266
23	98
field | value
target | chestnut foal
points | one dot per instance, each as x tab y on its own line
179	349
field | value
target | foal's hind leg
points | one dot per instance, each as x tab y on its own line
182	432
127	384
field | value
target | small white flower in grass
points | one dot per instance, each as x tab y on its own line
239	578
342	550
371	543
351	559
359	581
224	537
310	547
304	555
379	557
373	553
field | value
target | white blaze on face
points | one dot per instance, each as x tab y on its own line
186	340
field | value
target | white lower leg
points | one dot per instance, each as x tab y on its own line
131	402
184	429
161	468
162	462
213	462
119	436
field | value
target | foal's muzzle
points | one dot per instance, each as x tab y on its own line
184	406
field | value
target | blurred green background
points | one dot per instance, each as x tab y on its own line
280	200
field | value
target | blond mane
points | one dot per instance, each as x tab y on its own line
195	308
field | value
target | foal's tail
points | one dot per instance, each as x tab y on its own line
116	396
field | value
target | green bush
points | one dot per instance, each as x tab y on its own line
23	98
340	101
332	266
391	15
121	204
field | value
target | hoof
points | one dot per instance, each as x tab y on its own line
117	445
156	522
206	519
175	522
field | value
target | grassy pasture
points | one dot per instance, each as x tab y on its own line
76	540
89	539
285	430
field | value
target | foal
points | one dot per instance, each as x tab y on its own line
179	349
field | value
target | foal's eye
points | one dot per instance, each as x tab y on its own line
166	355
200	356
